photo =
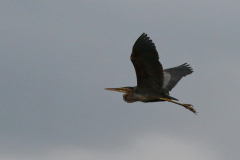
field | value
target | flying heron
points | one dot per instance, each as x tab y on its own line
153	83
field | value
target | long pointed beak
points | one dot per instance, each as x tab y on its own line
116	89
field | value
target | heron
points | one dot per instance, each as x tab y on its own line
153	83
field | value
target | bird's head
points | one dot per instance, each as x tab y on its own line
122	89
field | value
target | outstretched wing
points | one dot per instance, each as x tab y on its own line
173	75
148	69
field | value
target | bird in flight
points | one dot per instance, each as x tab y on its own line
153	83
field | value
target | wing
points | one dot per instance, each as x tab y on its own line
148	69
173	75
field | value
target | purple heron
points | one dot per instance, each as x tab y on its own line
153	83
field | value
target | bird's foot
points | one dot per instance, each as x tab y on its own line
187	106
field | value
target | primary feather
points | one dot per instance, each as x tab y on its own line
173	75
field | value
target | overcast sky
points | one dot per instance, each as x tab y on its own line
56	58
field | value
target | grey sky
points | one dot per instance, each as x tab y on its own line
56	58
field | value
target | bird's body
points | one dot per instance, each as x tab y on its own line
153	83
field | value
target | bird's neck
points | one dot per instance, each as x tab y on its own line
127	97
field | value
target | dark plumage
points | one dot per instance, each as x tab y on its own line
153	83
